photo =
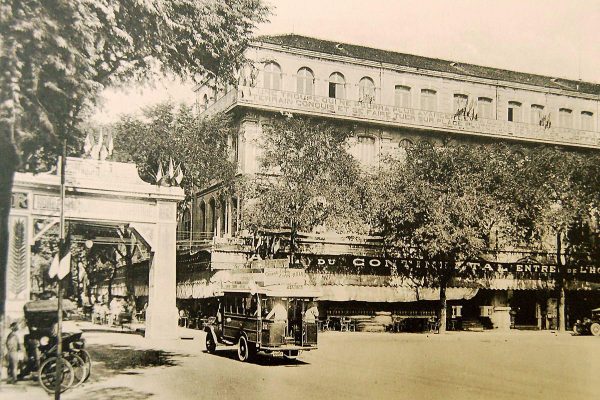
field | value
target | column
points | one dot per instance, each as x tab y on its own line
18	268
161	315
228	216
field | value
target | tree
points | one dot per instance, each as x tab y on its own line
197	145
560	206
442	202
308	180
56	57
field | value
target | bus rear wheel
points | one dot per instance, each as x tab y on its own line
595	329
246	351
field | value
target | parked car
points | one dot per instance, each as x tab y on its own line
589	326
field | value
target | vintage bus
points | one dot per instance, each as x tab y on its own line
271	320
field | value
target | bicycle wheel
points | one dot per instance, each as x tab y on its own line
80	368
87	359
47	375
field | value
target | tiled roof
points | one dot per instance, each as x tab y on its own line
426	63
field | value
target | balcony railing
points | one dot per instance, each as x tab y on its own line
221	104
187	239
283	101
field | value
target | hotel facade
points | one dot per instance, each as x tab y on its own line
393	100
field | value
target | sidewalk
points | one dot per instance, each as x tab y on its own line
115	354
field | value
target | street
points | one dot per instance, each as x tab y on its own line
465	365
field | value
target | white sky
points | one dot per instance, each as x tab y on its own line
548	37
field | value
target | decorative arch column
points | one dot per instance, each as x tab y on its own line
161	315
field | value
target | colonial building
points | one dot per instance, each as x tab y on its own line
395	100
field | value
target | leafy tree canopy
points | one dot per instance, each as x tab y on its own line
163	133
443	201
308	178
56	56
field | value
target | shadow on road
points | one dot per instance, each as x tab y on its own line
110	360
116	393
260	359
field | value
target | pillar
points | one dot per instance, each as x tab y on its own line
161	315
18	268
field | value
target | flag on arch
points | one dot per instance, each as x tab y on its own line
60	268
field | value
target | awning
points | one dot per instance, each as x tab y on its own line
391	294
50	305
210	285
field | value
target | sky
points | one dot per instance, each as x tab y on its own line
547	37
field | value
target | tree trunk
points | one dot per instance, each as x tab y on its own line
110	282
443	307
8	165
560	284
130	277
561	310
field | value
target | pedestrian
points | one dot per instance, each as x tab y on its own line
13	347
115	308
312	314
278	313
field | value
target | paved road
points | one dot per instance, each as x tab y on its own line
489	365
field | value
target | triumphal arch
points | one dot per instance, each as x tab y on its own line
102	193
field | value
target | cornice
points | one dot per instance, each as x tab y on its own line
422	71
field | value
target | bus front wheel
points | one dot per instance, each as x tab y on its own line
211	346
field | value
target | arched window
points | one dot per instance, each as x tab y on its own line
366	90
428	99
211	225
405	144
402	96
186	224
202	219
272	76
565	118
587	120
484	108
222	218
205	101
306	81
537	112
515	113
460	101
337	85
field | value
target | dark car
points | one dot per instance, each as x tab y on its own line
589	326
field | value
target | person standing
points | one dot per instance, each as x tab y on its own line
312	314
13	347
278	313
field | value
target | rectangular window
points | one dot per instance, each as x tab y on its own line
428	100
366	150
402	96
537	113
336	90
565	118
272	80
587	120
514	111
305	81
305	85
484	107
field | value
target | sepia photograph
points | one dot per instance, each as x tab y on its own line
278	199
